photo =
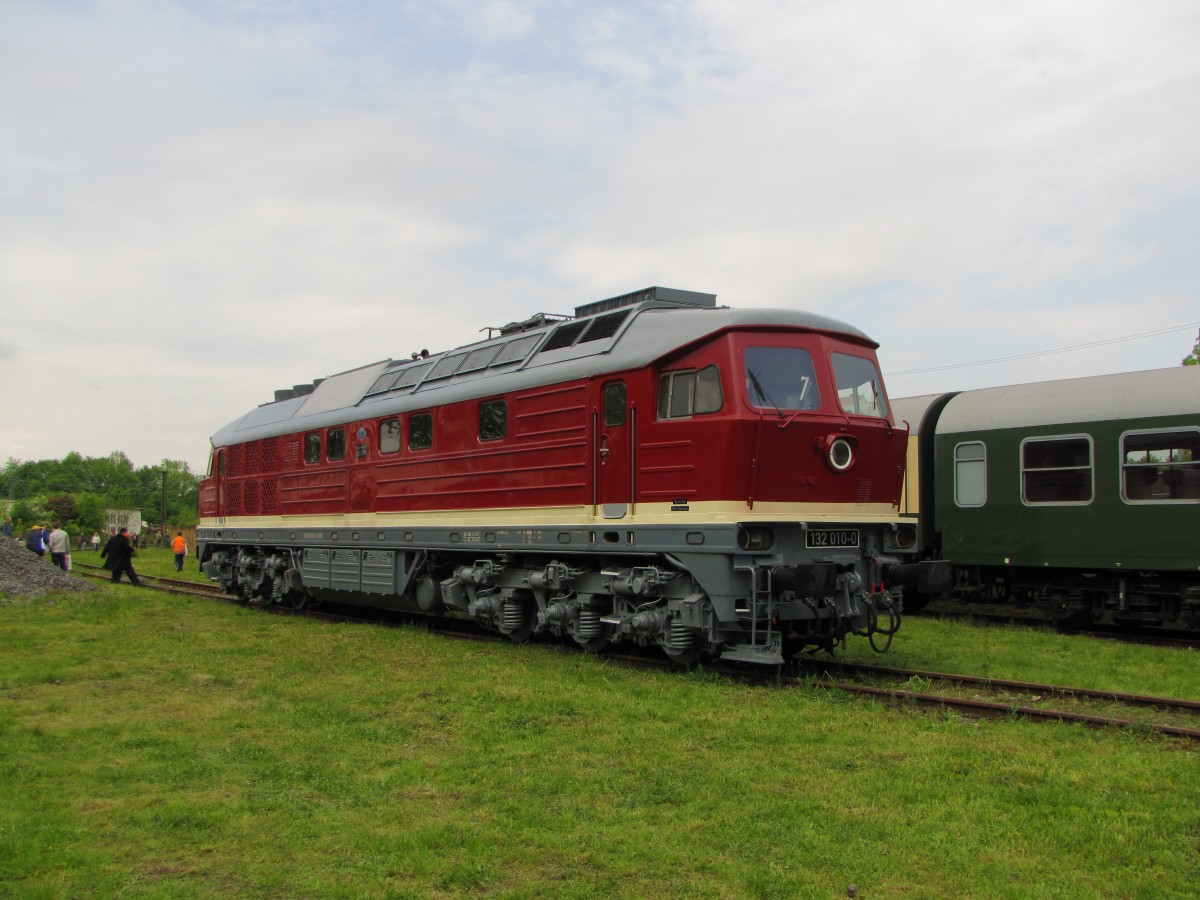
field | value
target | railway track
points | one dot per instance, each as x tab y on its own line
170	585
1008	698
1147	635
1014	698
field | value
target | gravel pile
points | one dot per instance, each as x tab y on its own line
25	574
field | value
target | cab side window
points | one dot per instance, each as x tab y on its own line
689	392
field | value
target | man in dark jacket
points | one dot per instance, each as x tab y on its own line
118	557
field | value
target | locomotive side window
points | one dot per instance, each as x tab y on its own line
1057	470
781	378
1160	466
859	387
312	447
420	431
970	474
615	403
687	392
336	445
389	436
493	420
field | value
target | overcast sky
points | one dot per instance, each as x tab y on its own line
201	202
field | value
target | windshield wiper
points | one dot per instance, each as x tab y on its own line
762	395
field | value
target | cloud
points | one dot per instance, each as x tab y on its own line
204	202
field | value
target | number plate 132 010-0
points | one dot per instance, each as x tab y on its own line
823	538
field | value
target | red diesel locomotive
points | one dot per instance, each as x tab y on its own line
655	468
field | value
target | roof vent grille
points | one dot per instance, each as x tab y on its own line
564	335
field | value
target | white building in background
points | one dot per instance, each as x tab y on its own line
115	519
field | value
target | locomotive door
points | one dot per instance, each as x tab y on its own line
614	458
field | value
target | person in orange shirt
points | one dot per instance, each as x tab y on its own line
179	546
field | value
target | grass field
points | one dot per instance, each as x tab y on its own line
156	746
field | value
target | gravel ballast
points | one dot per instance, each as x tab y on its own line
25	574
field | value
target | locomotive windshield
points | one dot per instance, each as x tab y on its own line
860	389
781	378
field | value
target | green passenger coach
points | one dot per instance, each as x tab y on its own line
1080	497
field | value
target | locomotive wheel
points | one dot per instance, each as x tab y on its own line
684	658
519	636
680	644
598	643
590	633
513	620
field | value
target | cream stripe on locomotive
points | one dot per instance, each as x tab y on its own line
695	513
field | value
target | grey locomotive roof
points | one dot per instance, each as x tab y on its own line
646	332
1132	395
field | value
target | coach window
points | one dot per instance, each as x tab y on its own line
615	408
312	447
689	393
1057	470
970	474
389	436
1161	466
859	387
493	420
336	446
420	431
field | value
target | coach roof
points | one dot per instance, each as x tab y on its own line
1099	398
630	338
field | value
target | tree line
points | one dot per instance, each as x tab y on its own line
75	491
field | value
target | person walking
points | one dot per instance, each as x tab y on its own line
95	542
118	557
35	540
179	547
59	543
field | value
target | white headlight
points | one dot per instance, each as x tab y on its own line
841	454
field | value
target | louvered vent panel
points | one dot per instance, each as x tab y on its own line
604	326
564	335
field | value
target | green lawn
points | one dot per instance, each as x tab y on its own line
152	745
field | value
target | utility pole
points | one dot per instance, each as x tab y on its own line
162	520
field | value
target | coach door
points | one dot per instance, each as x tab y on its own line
614	457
